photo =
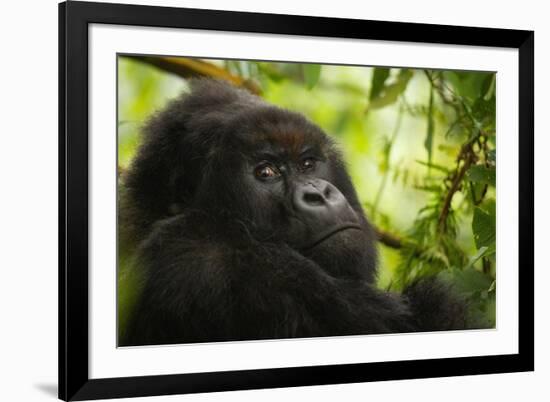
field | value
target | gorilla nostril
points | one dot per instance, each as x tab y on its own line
327	192
313	198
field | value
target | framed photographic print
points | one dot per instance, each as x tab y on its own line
257	201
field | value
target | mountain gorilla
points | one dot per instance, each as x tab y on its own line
247	226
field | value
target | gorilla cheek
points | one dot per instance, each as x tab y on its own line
265	208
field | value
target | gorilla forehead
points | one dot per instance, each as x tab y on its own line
276	130
246	121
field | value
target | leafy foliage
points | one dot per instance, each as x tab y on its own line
384	94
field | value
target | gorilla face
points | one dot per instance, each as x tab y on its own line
279	178
255	172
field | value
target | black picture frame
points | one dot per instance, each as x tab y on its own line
74	18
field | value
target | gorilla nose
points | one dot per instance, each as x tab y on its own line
319	200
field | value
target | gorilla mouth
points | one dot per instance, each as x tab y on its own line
331	232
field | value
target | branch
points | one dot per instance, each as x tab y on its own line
188	68
468	156
388	239
440	88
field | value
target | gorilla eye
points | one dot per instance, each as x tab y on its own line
307	164
267	171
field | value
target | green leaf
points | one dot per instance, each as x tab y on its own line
483	226
270	71
482	252
379	77
482	174
468	84
389	93
489	206
492	155
477	191
490	310
468	280
476	287
484	111
489	89
312	73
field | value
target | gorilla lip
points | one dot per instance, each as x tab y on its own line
331	232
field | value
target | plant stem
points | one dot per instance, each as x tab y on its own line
387	162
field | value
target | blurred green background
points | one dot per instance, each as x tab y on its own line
420	146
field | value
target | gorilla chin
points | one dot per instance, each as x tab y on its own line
217	168
342	250
330	233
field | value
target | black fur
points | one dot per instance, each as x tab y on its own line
228	256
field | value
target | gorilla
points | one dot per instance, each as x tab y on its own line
245	225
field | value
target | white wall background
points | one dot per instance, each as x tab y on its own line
28	199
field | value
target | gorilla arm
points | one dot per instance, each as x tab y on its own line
207	291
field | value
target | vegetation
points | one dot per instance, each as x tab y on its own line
420	146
